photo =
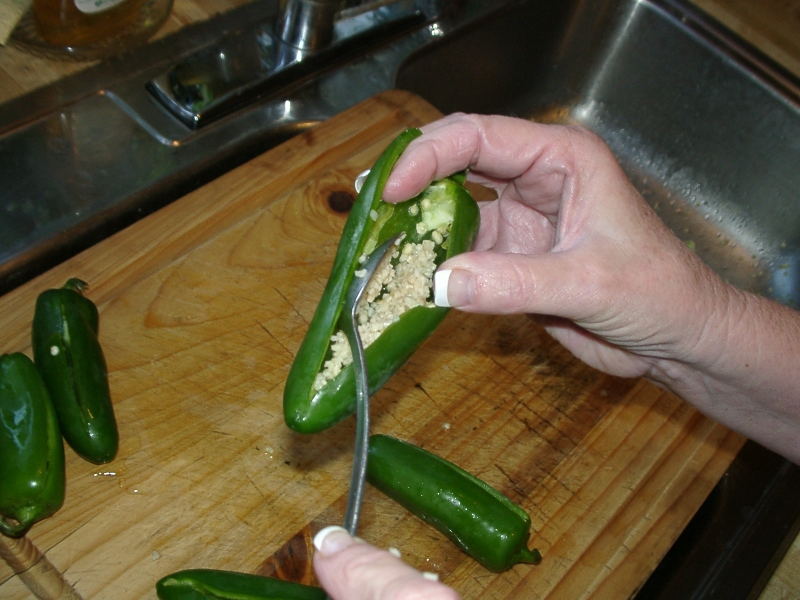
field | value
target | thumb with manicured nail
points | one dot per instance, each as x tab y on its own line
350	569
489	282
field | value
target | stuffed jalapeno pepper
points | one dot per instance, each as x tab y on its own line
397	314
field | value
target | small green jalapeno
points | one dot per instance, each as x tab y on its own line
476	517
208	584
398	315
32	476
68	354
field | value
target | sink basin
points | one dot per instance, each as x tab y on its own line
95	184
708	129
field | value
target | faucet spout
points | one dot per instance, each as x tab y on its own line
307	24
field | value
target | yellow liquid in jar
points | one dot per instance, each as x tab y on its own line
61	23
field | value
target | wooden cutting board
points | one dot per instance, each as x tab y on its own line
203	306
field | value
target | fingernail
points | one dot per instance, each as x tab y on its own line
332	539
452	288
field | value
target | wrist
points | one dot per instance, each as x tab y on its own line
742	371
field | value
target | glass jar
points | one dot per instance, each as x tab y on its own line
97	28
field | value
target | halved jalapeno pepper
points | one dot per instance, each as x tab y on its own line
438	224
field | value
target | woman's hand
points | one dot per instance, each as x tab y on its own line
350	569
569	239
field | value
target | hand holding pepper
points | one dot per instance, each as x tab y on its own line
570	239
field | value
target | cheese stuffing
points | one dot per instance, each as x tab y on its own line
401	283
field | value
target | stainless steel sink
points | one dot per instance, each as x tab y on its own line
705	126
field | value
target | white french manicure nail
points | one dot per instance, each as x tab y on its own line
440	281
359	183
323	533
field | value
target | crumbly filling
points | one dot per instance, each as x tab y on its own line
397	286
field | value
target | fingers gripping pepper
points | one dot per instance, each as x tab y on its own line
208	584
398	315
476	517
32	477
68	354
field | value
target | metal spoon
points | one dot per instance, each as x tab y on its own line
350	327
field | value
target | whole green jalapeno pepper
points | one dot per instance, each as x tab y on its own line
208	584
437	224
68	354
32	477
476	517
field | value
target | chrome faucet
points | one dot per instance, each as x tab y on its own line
306	36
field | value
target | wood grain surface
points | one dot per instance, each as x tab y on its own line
203	305
785	583
773	26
